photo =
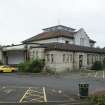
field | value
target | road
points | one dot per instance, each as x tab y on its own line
19	87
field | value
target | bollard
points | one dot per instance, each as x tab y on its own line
83	90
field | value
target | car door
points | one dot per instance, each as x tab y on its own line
6	69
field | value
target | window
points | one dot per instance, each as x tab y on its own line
66	42
99	57
88	59
70	58
92	59
36	54
48	59
52	58
33	54
67	59
63	57
82	41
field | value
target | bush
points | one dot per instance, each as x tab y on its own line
24	67
35	66
50	71
97	100
1	63
97	66
104	62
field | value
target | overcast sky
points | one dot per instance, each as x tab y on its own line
21	19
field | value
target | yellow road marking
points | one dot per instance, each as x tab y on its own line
44	93
34	95
24	95
37	92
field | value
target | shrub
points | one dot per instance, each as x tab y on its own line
104	62
50	71
1	63
97	66
35	66
97	100
24	67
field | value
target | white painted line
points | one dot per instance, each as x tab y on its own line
95	74
24	95
59	91
103	75
8	91
1	88
44	93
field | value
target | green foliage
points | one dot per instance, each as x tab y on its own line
35	66
24	67
97	66
104	62
97	100
1	63
50	71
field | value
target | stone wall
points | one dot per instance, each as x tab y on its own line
37	53
74	62
61	61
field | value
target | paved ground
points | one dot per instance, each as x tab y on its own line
32	94
20	88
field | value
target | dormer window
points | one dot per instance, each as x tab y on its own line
59	27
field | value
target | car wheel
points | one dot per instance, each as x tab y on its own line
13	70
1	71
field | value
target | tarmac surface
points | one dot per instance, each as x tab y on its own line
32	95
32	88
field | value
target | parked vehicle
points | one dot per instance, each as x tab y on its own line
5	68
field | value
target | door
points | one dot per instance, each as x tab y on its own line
80	61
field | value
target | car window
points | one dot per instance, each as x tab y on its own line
5	66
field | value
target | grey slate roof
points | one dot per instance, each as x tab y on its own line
70	47
60	26
54	34
92	41
48	35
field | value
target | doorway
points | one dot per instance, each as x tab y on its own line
80	61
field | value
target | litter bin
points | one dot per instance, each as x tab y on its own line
83	90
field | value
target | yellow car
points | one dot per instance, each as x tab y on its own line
6	68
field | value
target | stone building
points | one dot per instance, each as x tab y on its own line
63	48
0	54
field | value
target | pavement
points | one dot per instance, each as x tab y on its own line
31	88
